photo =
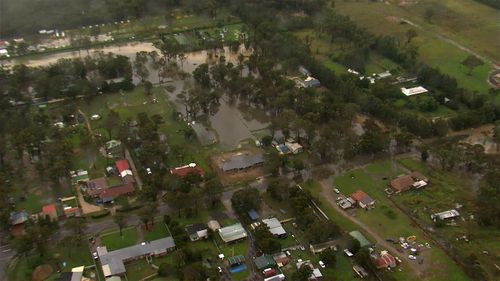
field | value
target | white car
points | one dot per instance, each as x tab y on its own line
95	117
148	171
322	264
348	253
412	257
220	269
94	255
336	190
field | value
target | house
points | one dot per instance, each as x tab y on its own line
281	259
241	162
96	186
402	183
70	207
50	211
362	199
264	262
232	233
213	225
450	214
363	242
76	274
294	147
186	170
17	220
385	260
113	263
308	82
279	277
253	215
269	272
197	231
123	168
413	91
112	193
318	248
275	227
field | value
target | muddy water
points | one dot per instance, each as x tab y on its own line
229	124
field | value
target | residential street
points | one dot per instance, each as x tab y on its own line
6	253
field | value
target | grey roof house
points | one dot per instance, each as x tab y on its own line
275	227
241	162
113	263
232	233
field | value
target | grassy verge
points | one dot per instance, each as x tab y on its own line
113	241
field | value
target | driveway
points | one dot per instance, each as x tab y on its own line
330	196
86	207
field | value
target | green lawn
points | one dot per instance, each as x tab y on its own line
137	270
113	241
159	231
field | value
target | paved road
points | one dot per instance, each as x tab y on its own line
330	197
6	253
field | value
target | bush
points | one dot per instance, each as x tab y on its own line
99	214
129	208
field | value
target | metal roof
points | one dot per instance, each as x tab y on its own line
232	233
241	161
114	261
274	226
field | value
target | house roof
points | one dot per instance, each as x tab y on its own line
193	229
122	165
232	233
253	215
18	217
402	183
113	262
117	191
184	171
385	260
96	186
213	225
274	226
279	277
361	196
360	237
241	161
264	262
49	209
318	248
418	176
236	259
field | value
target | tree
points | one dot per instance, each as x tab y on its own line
429	14
246	199
302	274
119	219
488	198
472	62
265	241
148	86
77	227
111	123
329	257
410	34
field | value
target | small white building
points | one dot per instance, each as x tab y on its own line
413	91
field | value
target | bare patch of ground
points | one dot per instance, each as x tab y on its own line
42	272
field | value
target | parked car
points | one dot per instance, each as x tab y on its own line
322	264
148	171
412	257
336	190
348	253
94	255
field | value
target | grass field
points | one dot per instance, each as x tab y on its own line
159	231
373	179
113	241
467	22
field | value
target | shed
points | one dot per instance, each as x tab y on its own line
236	260
253	215
402	183
213	225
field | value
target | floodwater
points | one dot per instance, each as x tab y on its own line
231	124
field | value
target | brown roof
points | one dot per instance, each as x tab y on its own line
96	186
402	183
183	172
417	176
361	196
118	190
385	260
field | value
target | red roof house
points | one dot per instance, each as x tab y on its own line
364	201
385	260
50	211
184	171
114	192
122	166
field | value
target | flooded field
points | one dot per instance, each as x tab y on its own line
229	125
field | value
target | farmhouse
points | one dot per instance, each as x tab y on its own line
186	170
197	231
275	227
362	199
113	263
241	162
413	91
450	214
232	233
402	183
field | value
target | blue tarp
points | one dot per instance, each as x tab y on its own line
252	214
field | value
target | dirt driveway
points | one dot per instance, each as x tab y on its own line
86	207
327	192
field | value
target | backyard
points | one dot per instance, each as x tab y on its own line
113	240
